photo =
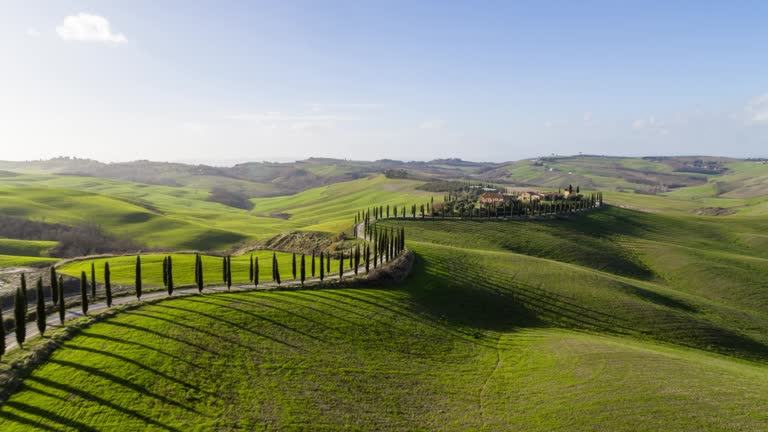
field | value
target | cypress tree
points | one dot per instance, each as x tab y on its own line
341	266
229	272
197	274
357	253
375	255
367	259
62	304
293	266
2	335
313	263
54	286
107	284
40	307
20	312
303	270
165	272
328	264
277	271
250	271
138	277
84	292
200	274
256	272
93	282
170	276
322	266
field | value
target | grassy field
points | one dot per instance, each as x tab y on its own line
33	248
22	261
578	323
371	359
123	268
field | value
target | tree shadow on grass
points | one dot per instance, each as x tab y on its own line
337	298
44	414
122	382
137	364
215	318
93	398
155	333
226	304
140	345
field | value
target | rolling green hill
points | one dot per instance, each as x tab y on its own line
479	337
32	248
182	218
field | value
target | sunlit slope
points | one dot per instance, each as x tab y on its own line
642	274
184	204
332	208
116	216
370	359
34	248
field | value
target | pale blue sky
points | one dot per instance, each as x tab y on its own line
230	81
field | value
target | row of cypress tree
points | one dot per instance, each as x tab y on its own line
385	244
456	210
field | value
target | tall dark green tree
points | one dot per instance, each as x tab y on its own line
256	272
169	276
20	312
367	259
328	264
54	286
250	271
322	266
277	271
303	269
62	303
293	266
40	312
341	266
84	292
197	268
229	272
199	273
93	282
357	251
107	284
313	263
165	272
138	277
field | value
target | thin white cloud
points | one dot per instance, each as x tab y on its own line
644	123
275	120
33	32
432	124
322	107
85	27
587	117
756	110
